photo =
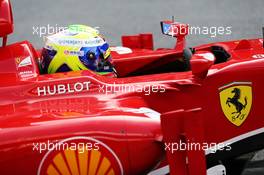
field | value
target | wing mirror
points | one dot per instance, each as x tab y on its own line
177	30
6	20
201	63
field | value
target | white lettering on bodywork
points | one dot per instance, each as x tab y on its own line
63	88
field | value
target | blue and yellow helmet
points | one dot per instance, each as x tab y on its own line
77	48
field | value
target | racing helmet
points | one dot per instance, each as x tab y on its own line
79	47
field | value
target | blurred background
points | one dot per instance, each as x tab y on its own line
118	17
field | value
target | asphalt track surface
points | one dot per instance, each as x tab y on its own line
118	17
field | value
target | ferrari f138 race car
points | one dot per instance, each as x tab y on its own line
179	111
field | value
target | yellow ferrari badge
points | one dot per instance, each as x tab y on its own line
236	101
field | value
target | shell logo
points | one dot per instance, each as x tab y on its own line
18	60
97	160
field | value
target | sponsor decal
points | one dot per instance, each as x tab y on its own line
236	101
63	88
24	75
258	56
74	53
99	159
121	50
66	108
18	60
24	62
93	42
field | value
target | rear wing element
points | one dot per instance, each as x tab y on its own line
177	30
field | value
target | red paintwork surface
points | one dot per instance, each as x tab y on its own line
136	139
6	20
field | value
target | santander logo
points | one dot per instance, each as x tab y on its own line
25	62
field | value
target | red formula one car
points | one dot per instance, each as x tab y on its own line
171	111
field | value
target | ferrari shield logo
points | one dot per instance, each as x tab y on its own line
236	101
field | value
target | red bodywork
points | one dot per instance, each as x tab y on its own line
132	127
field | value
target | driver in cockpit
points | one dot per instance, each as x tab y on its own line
77	48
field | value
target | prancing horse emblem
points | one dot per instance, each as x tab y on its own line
236	101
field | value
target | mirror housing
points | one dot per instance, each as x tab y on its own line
6	20
178	30
201	63
174	29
